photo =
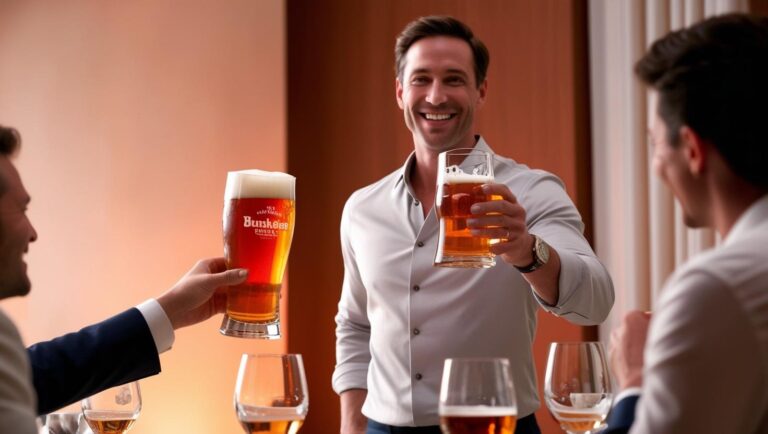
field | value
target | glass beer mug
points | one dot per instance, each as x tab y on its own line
258	221
460	176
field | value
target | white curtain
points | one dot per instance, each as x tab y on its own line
639	232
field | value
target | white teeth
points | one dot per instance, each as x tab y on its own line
437	116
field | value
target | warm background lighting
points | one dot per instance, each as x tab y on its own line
131	113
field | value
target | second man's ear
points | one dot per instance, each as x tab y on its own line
694	148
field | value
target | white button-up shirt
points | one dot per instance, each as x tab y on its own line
706	359
400	317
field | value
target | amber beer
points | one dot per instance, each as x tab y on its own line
109	422
458	195
272	426
478	420
461	175
258	222
580	420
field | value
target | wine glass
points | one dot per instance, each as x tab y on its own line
113	411
477	397
577	386
271	393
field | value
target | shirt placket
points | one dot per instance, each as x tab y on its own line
421	265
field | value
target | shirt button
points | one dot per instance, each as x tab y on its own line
420	244
416	331
416	287
416	203
418	376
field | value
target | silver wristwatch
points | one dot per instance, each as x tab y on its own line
540	253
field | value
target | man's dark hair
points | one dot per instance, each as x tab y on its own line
425	27
713	77
9	140
9	143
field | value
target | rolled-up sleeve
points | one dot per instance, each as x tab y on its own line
585	287
353	330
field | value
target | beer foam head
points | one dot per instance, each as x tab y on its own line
260	184
454	175
477	411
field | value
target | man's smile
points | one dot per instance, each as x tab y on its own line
437	116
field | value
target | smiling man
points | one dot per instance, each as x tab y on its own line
399	317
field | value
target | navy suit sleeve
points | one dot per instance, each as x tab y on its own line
77	365
622	416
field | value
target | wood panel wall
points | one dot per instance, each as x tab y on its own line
345	131
759	7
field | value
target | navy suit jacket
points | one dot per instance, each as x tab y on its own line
622	416
77	365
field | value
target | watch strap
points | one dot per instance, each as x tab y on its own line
537	261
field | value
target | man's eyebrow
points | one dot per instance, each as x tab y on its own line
419	71
450	71
458	72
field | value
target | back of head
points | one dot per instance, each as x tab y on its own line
437	25
713	77
9	143
9	140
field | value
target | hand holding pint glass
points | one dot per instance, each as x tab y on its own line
477	397
461	174
258	221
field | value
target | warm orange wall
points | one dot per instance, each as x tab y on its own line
759	7
345	131
131	114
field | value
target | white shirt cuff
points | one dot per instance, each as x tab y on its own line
159	324
626	393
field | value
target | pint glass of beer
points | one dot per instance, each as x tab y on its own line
259	214
460	176
477	396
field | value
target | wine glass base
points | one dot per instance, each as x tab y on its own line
240	329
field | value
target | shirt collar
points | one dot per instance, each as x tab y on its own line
404	178
756	214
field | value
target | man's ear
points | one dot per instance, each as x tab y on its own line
695	150
483	90
399	93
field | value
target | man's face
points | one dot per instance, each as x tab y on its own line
438	93
16	232
672	165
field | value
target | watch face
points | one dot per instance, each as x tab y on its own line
542	250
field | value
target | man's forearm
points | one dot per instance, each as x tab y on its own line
352	419
546	280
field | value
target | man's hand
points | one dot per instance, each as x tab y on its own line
627	346
201	293
352	419
505	220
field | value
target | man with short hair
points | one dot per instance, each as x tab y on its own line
53	374
704	368
399	317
